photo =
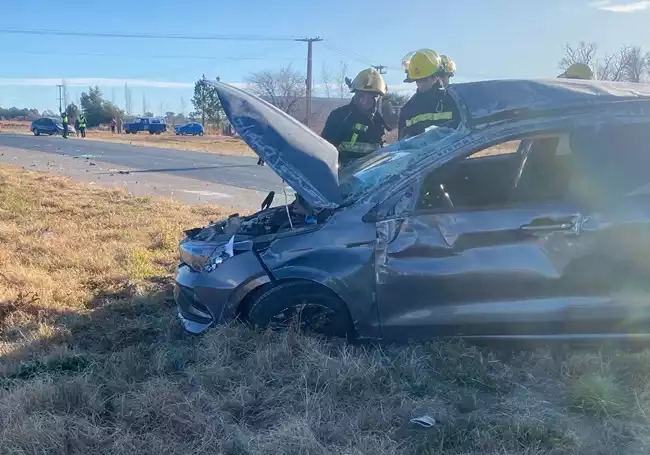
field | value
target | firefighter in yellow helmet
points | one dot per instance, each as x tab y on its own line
446	70
578	71
431	105
357	128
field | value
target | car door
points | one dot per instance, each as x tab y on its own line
38	125
49	126
486	269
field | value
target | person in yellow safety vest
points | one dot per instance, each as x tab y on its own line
82	125
578	71
431	105
64	120
357	128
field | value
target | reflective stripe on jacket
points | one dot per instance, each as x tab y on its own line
435	107
354	132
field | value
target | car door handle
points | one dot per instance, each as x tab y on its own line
566	226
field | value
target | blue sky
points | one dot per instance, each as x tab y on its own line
487	39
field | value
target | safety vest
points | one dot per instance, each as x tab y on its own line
65	118
82	122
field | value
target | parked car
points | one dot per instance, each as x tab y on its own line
436	236
49	126
195	129
153	125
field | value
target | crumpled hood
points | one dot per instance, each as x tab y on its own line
300	157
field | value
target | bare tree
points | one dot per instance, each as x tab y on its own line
284	89
340	80
628	64
326	77
582	53
636	64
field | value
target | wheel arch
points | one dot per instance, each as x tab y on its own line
245	300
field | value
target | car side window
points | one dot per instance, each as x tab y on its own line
610	162
592	165
512	172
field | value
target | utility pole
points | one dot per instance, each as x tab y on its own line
309	81
60	87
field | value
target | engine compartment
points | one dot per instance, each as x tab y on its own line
267	222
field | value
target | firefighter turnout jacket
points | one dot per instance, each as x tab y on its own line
353	132
424	109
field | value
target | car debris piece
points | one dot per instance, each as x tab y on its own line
425	421
232	225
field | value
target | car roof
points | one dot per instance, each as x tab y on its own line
485	100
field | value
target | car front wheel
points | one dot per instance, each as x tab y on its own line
36	132
201	133
308	306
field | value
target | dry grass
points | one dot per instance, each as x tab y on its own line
92	360
220	145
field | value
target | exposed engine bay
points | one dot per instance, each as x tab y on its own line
268	221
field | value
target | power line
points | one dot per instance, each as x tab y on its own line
351	55
144	56
147	35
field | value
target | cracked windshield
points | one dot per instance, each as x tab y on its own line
327	228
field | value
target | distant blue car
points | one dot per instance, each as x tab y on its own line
189	128
49	126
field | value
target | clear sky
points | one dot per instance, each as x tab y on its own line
487	39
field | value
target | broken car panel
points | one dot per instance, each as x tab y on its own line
545	241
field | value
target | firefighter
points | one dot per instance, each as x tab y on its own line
446	70
357	128
578	71
431	105
82	125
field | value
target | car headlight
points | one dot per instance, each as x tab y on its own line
221	254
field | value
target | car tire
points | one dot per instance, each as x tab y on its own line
200	134
316	308
36	132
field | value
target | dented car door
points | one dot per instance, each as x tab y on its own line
476	273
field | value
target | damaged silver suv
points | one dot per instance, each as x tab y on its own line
438	235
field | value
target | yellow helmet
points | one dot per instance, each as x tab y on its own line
369	80
447	66
578	71
420	64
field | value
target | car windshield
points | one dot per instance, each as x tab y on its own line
388	163
56	121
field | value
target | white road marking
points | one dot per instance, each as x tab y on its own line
206	193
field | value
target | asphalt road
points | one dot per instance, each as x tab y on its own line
236	171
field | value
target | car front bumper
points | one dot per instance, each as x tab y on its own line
207	298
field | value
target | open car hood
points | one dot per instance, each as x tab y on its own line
300	157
